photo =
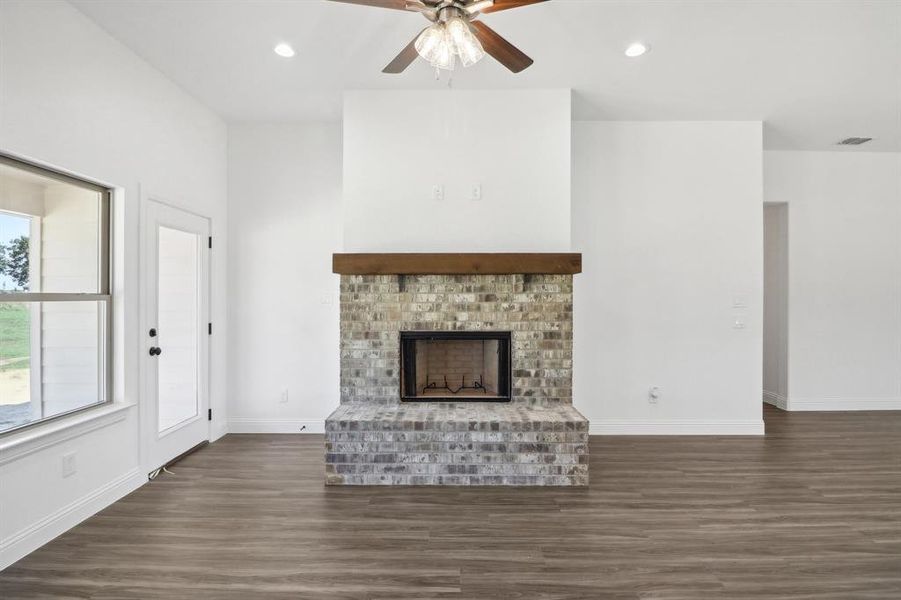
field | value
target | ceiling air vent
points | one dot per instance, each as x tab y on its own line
854	141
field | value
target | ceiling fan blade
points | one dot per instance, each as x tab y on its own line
503	51
500	5
404	59
395	4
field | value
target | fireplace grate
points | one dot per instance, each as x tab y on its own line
476	385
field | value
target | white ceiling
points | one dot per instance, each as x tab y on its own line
815	71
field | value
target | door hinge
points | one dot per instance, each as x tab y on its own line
209	329
209	414
210	241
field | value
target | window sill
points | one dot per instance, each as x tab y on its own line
17	445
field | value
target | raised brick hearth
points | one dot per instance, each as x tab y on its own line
537	438
457	444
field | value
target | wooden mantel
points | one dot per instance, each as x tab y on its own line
546	263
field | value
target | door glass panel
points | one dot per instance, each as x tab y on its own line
178	309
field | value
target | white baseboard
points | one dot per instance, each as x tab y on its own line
674	427
597	427
34	536
777	400
218	431
843	404
251	425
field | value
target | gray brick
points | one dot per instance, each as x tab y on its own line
385	448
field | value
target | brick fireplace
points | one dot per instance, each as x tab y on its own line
456	370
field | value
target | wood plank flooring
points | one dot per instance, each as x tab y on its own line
812	510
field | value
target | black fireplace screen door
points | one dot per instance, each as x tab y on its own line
459	366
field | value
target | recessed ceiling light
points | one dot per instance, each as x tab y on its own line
284	50
636	49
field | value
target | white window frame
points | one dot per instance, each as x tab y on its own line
35	251
103	295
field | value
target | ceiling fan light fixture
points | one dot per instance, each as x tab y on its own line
454	34
442	43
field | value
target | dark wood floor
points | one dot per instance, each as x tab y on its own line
813	510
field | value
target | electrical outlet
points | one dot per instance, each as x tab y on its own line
654	394
475	194
68	464
437	192
738	324
283	398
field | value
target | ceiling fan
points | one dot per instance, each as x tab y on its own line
454	34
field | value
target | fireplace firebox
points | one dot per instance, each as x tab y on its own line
458	366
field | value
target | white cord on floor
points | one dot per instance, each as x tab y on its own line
154	474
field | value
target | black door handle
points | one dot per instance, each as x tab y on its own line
154	351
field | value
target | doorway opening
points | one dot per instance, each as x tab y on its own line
775	304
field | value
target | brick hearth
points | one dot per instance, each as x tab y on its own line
456	444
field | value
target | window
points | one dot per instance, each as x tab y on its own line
55	305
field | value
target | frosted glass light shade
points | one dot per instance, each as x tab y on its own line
457	30
465	44
445	58
470	51
429	42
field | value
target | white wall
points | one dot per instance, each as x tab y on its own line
285	223
844	276
669	219
397	145
668	216
73	97
775	304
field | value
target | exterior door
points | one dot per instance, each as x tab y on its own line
175	343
